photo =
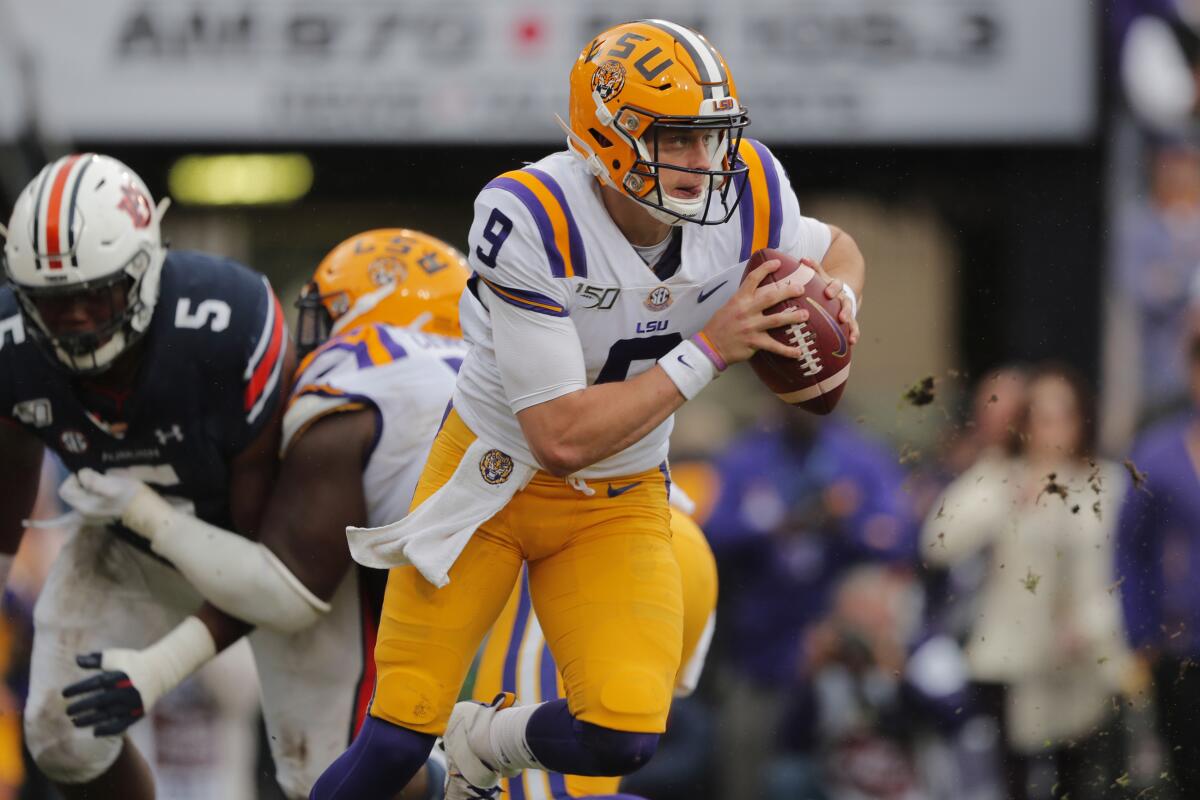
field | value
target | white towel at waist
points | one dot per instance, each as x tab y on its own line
432	535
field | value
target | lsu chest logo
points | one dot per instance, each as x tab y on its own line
495	467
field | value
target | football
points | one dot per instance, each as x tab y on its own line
814	382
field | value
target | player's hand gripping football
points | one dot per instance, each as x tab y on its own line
101	499
739	328
836	290
123	692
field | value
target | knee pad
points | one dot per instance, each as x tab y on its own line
66	754
618	752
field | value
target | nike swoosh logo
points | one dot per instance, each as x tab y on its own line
843	342
705	295
617	491
683	361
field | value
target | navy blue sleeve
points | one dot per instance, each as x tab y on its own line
243	341
12	333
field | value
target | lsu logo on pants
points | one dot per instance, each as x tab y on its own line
495	466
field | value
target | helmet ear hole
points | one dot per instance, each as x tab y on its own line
601	139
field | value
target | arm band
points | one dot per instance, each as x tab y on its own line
689	368
853	299
242	578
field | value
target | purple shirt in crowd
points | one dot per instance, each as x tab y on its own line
780	550
1158	543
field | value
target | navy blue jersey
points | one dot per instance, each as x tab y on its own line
209	381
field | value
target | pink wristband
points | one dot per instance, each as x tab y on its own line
706	347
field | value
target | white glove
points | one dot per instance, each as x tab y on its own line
100	499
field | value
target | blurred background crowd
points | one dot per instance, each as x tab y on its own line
977	579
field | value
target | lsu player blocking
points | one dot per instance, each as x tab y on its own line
380	335
607	291
516	658
129	360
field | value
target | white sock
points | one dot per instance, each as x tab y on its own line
508	739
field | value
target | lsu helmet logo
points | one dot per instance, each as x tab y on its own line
609	79
385	270
495	467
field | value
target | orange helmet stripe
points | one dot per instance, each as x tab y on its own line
54	212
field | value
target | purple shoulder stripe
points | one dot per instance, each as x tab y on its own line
575	240
540	218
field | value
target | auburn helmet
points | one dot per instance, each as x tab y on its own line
633	86
85	233
390	275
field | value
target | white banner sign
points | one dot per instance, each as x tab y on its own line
467	72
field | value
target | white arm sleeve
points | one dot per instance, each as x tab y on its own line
242	578
539	356
813	238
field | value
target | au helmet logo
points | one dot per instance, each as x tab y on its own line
495	467
609	79
136	205
658	299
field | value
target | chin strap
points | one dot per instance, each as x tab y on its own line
97	360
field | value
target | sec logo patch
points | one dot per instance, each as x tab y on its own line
658	299
74	441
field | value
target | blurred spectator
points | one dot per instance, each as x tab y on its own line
858	722
801	502
996	406
1159	56
996	402
1157	555
1158	258
1047	652
995	410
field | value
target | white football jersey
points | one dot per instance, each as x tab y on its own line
406	378
542	240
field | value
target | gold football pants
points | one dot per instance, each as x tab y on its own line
603	579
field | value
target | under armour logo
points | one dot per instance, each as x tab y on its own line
175	432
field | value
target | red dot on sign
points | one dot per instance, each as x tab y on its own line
529	31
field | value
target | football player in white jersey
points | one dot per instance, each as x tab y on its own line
366	405
607	291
